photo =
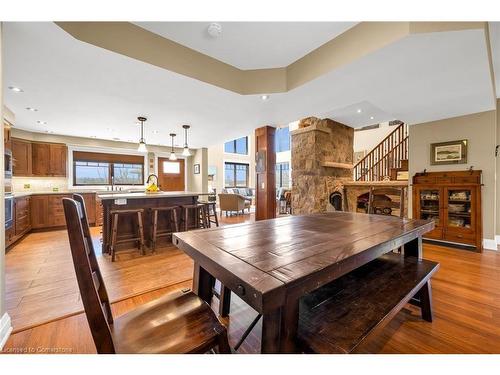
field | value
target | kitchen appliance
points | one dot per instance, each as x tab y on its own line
8	164
9	210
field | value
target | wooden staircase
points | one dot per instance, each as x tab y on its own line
388	157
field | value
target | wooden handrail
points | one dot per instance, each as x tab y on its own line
386	155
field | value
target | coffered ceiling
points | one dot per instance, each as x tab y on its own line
84	90
251	45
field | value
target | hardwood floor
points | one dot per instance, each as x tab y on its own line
466	295
41	283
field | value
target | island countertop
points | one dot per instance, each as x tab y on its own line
140	195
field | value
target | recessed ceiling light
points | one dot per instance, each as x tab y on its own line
31	109
371	117
93	136
116	139
264	97
155	132
359	110
41	122
16	89
49	131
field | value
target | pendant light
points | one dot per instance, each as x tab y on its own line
186	152
142	143
172	152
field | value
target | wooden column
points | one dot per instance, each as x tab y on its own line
265	168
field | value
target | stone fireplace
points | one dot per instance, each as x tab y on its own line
322	157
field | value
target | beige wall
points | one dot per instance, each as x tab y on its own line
198	182
47	183
480	129
217	157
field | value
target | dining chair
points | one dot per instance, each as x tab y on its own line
380	203
179	322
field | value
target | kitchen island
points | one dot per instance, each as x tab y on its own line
127	226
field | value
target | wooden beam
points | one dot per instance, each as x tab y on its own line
265	158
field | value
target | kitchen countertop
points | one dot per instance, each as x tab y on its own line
138	195
30	193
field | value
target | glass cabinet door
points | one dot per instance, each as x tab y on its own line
459	210
429	204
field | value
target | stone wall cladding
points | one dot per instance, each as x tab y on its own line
314	142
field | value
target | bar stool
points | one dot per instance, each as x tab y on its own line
211	213
198	213
171	215
115	214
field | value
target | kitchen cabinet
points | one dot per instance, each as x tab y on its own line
44	211
22	215
90	205
7	140
39	211
453	201
57	159
47	210
22	157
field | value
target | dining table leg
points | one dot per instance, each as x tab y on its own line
279	328
271	327
414	248
202	283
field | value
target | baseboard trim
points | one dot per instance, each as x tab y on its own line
490	244
5	329
497	239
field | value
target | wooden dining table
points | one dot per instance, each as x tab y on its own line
271	264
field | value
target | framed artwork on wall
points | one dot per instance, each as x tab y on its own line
260	161
453	152
196	169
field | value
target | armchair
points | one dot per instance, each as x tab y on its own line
233	203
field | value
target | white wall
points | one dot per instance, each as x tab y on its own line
366	140
217	157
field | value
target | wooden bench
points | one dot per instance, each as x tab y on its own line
339	316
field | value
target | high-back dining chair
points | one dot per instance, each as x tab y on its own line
179	322
380	203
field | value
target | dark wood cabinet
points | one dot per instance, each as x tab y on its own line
453	201
22	215
39	211
22	157
39	159
7	140
90	205
57	159
45	211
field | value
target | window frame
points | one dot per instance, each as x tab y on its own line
247	178
234	146
110	171
279	174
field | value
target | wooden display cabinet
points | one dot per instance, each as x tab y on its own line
453	201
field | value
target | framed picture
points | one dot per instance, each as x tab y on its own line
196	169
260	161
454	152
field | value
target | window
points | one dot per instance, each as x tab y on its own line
172	167
282	175
237	146
236	175
282	139
127	174
91	168
91	173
